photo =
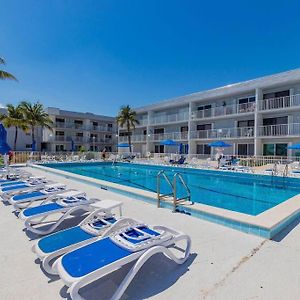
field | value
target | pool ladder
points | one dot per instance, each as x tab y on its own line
173	195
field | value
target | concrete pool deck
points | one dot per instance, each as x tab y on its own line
224	264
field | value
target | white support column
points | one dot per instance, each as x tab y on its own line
190	143
257	122
149	133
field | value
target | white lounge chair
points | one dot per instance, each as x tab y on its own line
106	255
24	199
99	223
69	203
27	186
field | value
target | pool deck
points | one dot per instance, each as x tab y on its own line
224	264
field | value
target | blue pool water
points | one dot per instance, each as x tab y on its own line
245	193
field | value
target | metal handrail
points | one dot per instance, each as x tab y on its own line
187	197
285	172
275	169
158	179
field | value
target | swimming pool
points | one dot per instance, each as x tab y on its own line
244	193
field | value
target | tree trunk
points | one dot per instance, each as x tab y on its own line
32	134
129	137
16	138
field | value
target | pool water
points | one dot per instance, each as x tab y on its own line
244	193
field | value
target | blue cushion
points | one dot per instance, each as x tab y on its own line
33	211
12	183
27	196
92	257
14	187
62	239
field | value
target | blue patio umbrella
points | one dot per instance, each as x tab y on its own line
33	146
219	144
168	143
294	147
4	147
123	145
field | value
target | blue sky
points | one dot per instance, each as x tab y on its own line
98	55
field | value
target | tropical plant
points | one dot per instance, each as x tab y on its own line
4	74
35	116
14	118
127	117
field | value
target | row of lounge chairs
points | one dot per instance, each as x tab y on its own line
100	244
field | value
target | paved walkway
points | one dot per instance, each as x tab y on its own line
224	264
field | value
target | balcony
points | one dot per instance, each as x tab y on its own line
176	136
224	133
224	111
134	138
59	138
292	129
101	128
280	102
180	117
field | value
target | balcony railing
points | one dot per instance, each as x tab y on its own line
134	138
170	118
280	102
238	132
292	129
100	128
224	110
59	138
177	136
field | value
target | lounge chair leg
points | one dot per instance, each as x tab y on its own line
142	260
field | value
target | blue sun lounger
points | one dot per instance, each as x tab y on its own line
98	224
24	199
8	191
137	243
66	204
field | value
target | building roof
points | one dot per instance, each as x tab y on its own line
227	90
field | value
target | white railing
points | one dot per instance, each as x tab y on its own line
224	110
170	118
134	138
238	132
280	130
280	102
169	136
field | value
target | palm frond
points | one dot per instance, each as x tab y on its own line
2	61
6	75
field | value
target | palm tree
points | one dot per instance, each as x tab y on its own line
127	117
4	74
35	116
14	118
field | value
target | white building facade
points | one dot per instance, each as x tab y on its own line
258	117
75	131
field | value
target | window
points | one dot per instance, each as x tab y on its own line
246	123
204	111
108	136
245	149
159	130
78	122
247	100
159	149
59	148
79	133
145	132
28	133
203	149
275	121
28	146
59	133
276	94
95	123
184	128
59	120
203	126
110	125
275	149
